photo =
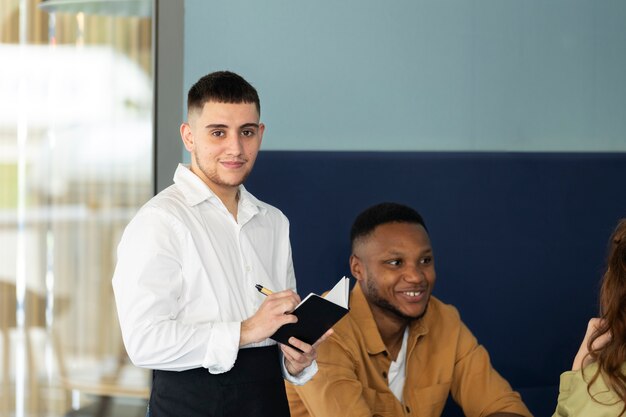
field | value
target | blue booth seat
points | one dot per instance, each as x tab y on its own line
519	239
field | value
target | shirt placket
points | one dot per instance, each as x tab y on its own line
245	261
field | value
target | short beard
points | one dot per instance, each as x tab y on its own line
214	177
374	297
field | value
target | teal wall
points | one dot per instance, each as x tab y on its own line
462	75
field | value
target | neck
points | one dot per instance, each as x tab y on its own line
228	195
230	200
391	329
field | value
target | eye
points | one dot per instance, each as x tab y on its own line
394	262
218	133
247	133
426	260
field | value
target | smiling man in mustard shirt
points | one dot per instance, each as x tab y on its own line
400	351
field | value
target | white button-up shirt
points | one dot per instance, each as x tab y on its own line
186	274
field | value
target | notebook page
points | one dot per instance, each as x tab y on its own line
340	292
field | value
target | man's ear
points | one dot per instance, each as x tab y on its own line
187	136
356	267
261	131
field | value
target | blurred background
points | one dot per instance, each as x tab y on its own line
76	146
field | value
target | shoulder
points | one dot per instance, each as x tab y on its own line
170	200
347	327
273	212
166	209
268	211
440	312
347	344
356	333
443	323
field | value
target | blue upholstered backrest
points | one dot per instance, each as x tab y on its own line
519	239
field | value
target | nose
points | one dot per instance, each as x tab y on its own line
414	274
235	146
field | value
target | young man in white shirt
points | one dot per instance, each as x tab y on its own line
187	268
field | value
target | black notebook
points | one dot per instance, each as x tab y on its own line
316	314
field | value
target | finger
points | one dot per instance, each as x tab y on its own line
278	320
277	309
285	318
303	346
282	305
296	357
593	323
288	352
325	336
296	360
292	294
293	367
285	294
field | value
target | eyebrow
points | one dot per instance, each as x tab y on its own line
223	126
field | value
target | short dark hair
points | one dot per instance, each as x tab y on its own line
222	87
383	213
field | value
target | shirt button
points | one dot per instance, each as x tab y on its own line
248	269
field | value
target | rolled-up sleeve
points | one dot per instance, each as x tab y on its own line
577	398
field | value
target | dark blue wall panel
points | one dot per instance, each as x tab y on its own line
519	238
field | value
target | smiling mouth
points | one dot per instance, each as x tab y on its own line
414	295
233	164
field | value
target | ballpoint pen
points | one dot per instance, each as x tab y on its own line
263	290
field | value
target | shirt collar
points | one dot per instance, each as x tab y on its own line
362	314
249	206
196	191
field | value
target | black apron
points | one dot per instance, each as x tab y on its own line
254	387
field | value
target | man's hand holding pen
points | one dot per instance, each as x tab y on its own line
269	317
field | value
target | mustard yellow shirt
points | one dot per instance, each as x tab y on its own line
442	357
575	401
